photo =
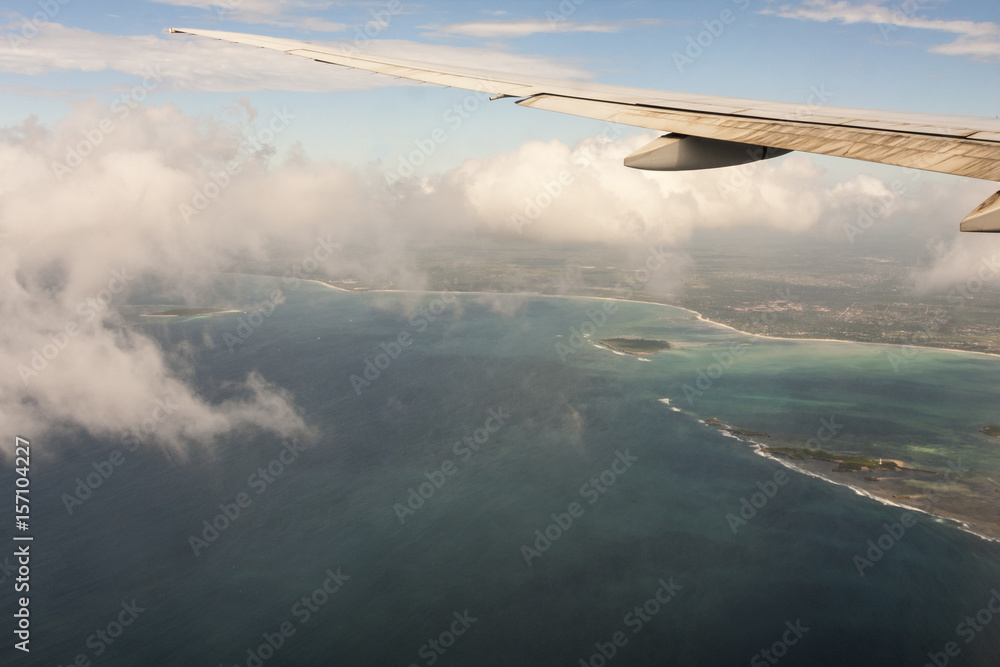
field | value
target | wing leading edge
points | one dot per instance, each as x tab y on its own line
737	130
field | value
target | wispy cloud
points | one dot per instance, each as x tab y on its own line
207	65
263	12
525	27
979	40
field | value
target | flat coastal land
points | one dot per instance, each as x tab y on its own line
957	495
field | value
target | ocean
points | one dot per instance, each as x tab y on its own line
485	484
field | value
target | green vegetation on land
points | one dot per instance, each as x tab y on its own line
748	434
846	463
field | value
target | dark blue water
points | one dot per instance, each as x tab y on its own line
642	494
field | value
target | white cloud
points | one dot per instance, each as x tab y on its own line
525	27
962	266
62	237
548	191
265	12
207	65
980	40
71	242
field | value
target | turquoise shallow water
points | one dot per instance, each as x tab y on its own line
571	420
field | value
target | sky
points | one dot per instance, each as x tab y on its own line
131	157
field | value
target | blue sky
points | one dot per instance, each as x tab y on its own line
921	56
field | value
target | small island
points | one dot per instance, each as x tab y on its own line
845	463
636	345
992	431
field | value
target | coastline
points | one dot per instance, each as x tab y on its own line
967	524
333	287
700	317
963	523
218	312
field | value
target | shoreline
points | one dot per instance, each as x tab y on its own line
700	317
217	312
333	287
954	519
959	522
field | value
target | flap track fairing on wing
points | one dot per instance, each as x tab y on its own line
681	152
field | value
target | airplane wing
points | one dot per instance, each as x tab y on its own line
706	131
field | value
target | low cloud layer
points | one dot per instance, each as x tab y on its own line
104	199
199	64
548	191
963	266
506	29
288	13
